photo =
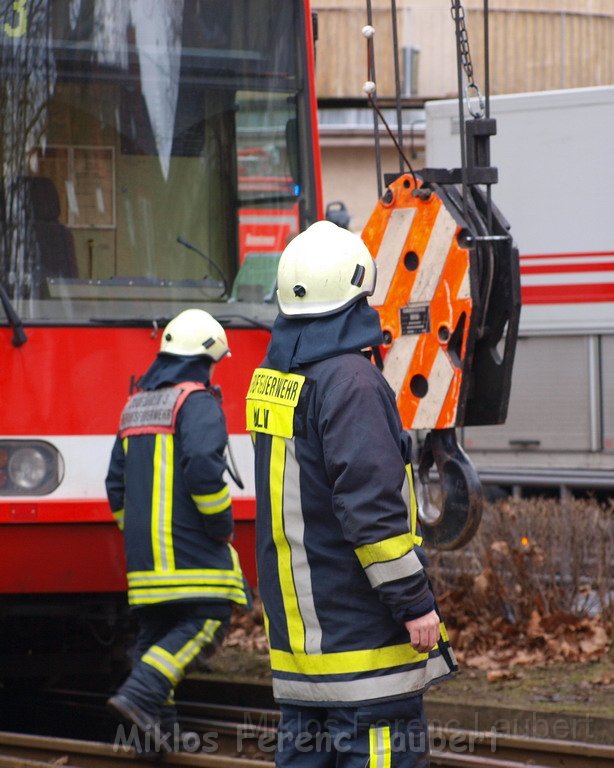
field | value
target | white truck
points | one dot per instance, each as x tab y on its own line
555	154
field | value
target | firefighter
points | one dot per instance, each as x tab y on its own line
355	637
167	492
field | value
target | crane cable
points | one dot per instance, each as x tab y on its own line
486	269
370	89
368	33
464	64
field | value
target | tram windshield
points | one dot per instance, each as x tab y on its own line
156	155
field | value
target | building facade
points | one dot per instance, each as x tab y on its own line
534	45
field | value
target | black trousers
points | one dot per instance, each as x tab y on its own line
392	734
170	636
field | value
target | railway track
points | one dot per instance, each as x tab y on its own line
450	747
29	751
230	736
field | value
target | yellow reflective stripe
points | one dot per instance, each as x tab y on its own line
236	565
144	597
214	497
296	628
345	661
191	649
191	576
162	504
444	632
164	662
172	666
387	549
119	518
170	593
212	503
168	500
372	748
413	504
190	572
125	444
380	755
155	504
213	578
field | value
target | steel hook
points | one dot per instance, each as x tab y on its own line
453	524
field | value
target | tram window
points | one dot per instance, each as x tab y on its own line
170	141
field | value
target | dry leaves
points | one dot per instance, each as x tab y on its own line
487	641
534	587
247	631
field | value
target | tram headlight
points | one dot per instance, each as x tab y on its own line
29	467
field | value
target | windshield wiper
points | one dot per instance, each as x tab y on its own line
230	319
131	322
19	335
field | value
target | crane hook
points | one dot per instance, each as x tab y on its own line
459	516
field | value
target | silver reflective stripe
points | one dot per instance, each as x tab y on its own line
164	662
177	579
405	493
294	527
366	689
212	503
194	646
380	573
141	596
164	558
379	747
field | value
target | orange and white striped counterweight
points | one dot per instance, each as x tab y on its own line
448	295
425	295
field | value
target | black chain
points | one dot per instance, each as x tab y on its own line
462	39
458	15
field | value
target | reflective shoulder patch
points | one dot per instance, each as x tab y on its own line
148	412
271	401
155	411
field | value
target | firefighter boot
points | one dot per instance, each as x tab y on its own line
147	725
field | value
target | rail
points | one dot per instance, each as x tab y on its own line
19	750
229	736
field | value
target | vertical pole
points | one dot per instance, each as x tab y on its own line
461	115
397	82
371	57
487	106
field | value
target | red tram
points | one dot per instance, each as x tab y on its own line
127	195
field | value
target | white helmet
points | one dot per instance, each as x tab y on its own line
323	270
195	332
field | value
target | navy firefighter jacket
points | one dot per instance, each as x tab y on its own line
167	492
339	569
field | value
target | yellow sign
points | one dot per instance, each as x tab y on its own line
271	400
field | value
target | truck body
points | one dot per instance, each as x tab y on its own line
555	161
